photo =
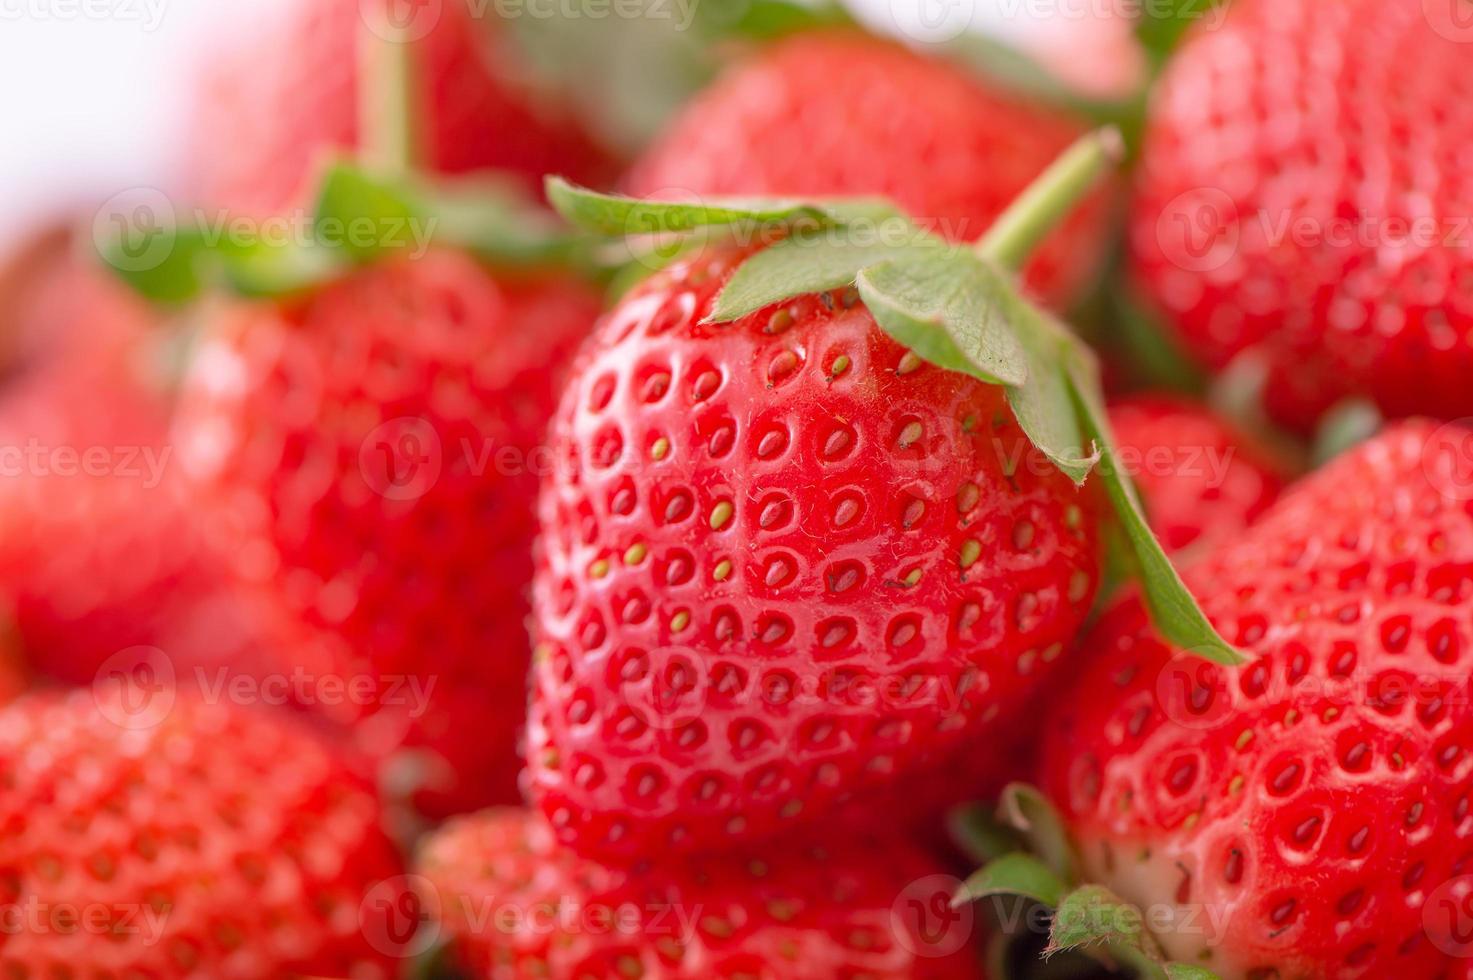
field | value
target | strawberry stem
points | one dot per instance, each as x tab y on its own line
1050	198
385	115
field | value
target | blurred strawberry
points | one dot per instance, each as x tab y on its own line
369	455
188	839
1202	481
841	909
1303	197
289	95
835	113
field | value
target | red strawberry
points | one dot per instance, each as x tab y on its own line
1312	209
844	114
785	560
513	904
1202	481
99	548
170	837
289	96
1300	814
370	455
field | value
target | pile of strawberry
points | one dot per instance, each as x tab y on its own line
909	520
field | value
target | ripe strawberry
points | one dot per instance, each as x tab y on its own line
1202	481
273	108
1313	211
784	561
513	904
171	837
99	548
843	114
1299	814
370	455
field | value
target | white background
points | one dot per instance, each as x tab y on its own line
92	91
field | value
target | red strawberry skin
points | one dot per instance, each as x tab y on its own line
782	564
1299	811
370	457
1202	481
219	841
100	550
1268	207
844	114
277	105
798	911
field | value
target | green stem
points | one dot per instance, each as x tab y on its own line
385	110
1050	198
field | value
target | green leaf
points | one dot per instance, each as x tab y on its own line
1189	971
1174	611
979	834
1012	874
1346	425
1018	71
497	223
1029	811
1094	916
365	216
1161	25
617	214
263	271
165	265
802	264
1043	405
766	20
948	306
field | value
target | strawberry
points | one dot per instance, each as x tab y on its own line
1312	213
513	904
368	452
100	551
287	97
1201	479
1306	815
783	560
838	113
151	833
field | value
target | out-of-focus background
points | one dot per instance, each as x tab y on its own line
95	91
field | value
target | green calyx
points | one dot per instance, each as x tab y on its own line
956	306
359	217
1086	918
